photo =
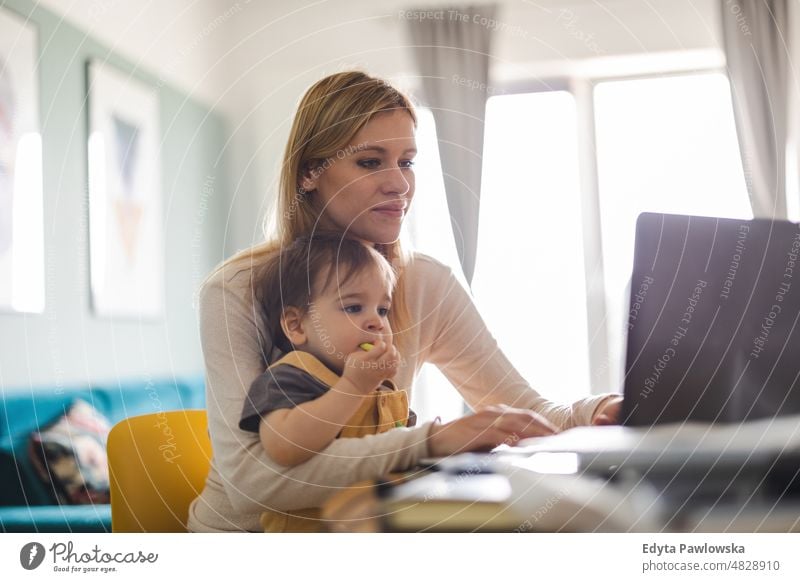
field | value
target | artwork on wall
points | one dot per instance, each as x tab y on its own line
125	202
21	214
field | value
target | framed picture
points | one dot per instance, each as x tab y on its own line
21	211
125	202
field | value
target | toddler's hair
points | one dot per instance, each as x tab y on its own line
293	276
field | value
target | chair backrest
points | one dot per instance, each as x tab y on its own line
157	464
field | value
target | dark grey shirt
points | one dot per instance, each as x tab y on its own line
284	387
280	387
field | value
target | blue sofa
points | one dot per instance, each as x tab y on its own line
26	503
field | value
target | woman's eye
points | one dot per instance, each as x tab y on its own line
374	164
352	309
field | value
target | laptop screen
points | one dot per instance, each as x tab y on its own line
713	325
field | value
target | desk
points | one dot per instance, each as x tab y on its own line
358	509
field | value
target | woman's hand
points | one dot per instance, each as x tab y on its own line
366	370
487	428
609	412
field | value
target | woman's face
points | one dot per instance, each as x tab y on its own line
366	190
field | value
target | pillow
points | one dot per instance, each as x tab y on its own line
70	455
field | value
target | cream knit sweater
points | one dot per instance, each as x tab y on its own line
448	332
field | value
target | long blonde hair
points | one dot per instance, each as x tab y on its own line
329	116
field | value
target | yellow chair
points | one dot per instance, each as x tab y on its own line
157	465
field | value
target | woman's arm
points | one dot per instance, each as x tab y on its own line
459	343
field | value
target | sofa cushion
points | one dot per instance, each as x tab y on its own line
56	518
25	409
70	455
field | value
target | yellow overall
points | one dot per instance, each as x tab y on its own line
382	410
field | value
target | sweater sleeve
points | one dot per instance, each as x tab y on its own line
233	351
468	355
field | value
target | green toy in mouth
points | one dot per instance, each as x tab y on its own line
366	346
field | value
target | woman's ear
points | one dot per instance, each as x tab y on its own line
292	326
309	178
307	185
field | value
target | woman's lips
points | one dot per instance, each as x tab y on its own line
391	210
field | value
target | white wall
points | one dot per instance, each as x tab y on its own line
178	40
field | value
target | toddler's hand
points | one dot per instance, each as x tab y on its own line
366	370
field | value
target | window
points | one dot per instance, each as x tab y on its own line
529	279
664	144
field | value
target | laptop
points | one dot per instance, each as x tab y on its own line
714	321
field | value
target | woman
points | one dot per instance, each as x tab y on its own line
348	167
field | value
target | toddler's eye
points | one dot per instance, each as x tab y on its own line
383	311
352	309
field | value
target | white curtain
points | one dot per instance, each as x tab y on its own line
452	56
755	36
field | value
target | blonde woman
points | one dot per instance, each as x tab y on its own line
348	167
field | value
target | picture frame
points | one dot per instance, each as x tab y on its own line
22	287
126	238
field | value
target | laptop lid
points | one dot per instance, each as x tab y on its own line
713	330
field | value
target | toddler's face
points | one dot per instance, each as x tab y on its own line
345	316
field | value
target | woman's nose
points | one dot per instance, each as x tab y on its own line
394	182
